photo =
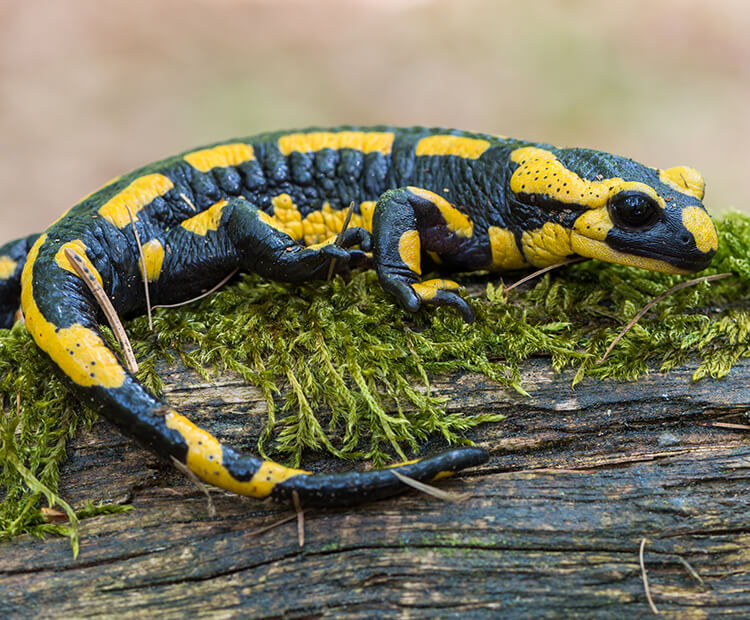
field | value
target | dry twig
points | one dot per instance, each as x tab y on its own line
198	483
729	425
79	266
645	579
340	237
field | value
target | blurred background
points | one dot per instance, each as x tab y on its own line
90	89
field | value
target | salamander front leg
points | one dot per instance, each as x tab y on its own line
266	249
407	222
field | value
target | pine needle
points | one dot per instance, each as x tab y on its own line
143	268
202	295
79	266
300	519
656	300
446	496
190	475
340	237
275	524
644	576
542	271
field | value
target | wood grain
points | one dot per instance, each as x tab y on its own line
553	526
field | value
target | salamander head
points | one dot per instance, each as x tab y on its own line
618	210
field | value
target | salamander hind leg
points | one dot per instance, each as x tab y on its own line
408	222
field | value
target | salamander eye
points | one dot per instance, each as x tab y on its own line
633	210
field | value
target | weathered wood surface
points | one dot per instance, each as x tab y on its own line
577	478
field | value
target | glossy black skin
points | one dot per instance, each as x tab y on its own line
10	288
195	263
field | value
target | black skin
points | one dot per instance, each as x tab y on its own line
242	238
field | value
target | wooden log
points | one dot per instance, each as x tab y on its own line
578	477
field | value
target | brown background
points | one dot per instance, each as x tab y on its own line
91	89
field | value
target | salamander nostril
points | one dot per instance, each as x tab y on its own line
685	238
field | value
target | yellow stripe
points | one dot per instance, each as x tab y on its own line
685	180
319	226
79	247
469	148
310	142
540	172
153	256
505	252
409	248
547	245
7	267
220	156
207	220
367	209
456	221
268	220
591	248
697	222
135	196
428	289
287	214
79	351
205	459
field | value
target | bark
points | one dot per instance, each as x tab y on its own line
552	527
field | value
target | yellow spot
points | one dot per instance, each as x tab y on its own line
220	156
205	459
429	288
456	221
314	229
409	247
697	222
401	463
270	221
135	196
469	148
591	248
684	179
547	245
322	244
79	248
442	474
333	219
78	351
540	172
287	214
153	256
367	209
207	220
7	267
594	224
311	142
319	226
505	252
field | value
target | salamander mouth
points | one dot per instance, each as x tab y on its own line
591	248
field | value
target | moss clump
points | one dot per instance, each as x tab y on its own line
345	347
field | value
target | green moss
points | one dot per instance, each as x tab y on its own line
346	348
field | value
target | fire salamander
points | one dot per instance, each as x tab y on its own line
426	200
